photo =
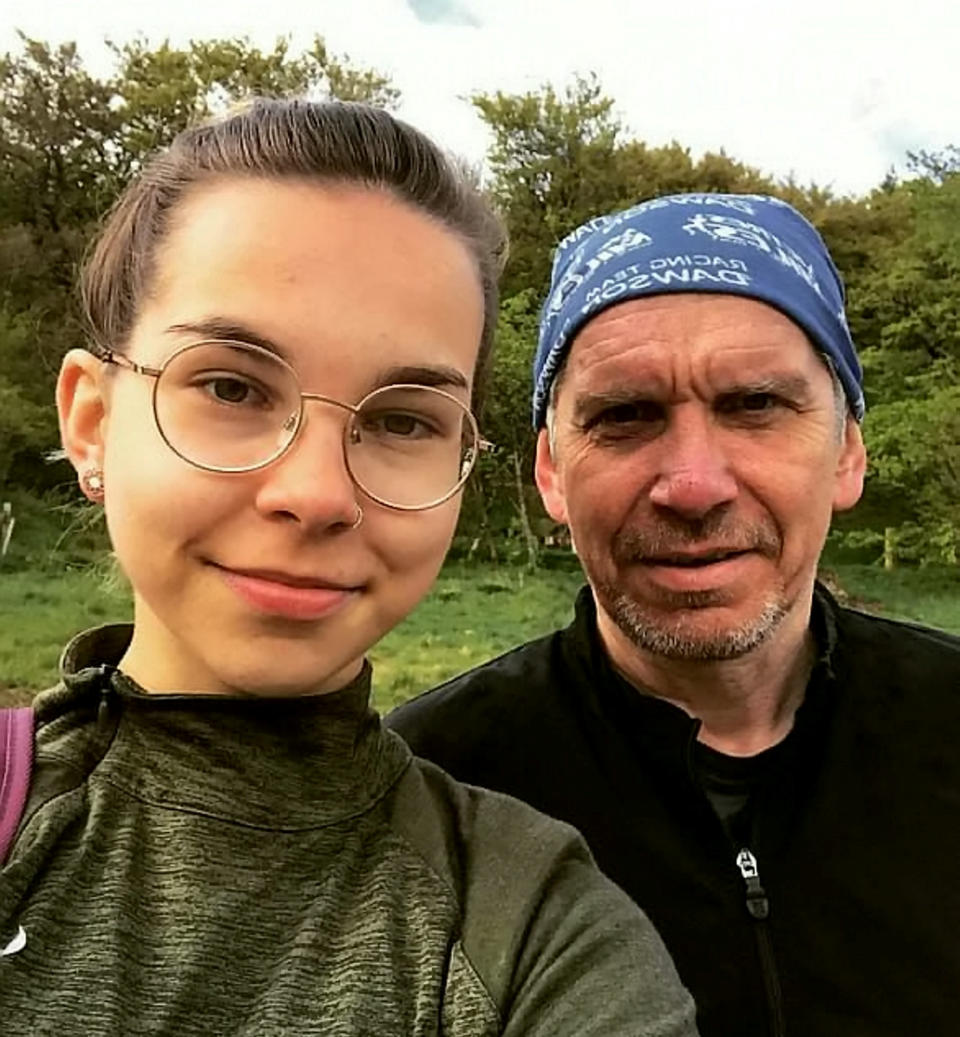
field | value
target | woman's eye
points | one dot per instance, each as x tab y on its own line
401	424
232	390
398	423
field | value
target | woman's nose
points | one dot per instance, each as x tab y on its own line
310	483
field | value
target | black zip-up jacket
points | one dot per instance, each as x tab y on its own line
842	918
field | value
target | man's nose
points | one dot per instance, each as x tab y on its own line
310	483
694	473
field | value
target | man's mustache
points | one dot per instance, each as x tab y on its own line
663	537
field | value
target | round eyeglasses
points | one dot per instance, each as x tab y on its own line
234	407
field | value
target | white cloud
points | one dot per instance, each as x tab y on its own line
831	90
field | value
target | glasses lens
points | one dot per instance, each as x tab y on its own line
411	447
226	406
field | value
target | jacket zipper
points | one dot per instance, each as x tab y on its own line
758	905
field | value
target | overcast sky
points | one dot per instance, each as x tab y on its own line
830	90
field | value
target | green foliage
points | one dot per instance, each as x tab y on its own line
905	311
27	420
160	91
55	533
56	122
69	142
502	508
551	161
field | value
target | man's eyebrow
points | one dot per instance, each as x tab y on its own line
586	404
222	329
438	376
790	385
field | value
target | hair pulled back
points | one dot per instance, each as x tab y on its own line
331	141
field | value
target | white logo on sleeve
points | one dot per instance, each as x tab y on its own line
16	944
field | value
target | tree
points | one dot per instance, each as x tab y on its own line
913	487
56	125
69	142
502	507
162	90
905	314
551	159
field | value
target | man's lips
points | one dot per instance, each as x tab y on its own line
700	570
695	559
292	595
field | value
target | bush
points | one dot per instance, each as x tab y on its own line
53	533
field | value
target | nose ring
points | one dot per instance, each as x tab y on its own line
359	518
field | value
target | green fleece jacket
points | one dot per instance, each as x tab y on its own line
209	865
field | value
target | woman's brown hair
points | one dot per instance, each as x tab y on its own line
325	141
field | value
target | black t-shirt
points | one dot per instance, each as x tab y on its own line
731	782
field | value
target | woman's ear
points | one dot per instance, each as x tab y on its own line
82	409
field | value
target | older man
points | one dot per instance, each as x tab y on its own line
775	779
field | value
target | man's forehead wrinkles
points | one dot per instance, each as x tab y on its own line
664	360
619	351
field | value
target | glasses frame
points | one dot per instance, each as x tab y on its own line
108	356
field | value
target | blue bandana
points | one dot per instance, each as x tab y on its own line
733	244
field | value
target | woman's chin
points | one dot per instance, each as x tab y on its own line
285	677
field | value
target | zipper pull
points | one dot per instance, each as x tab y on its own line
757	903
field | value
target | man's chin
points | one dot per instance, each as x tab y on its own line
695	626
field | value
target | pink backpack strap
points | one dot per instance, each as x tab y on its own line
16	763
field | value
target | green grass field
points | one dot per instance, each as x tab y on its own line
472	614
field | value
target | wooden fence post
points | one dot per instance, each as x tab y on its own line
7	522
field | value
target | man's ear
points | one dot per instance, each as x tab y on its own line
82	409
851	467
548	480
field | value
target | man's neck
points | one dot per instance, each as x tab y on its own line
744	705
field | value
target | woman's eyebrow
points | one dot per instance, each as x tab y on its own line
437	376
222	329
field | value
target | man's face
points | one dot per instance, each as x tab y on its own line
697	461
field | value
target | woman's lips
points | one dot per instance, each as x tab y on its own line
275	596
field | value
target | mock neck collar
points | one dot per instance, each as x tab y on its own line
277	763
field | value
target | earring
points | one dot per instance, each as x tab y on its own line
91	482
359	517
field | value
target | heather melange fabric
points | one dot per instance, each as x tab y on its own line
208	865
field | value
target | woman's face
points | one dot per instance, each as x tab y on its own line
256	581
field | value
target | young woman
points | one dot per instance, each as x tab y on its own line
290	309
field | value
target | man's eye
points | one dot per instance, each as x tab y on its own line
622	415
752	403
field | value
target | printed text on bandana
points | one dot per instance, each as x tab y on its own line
698	269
